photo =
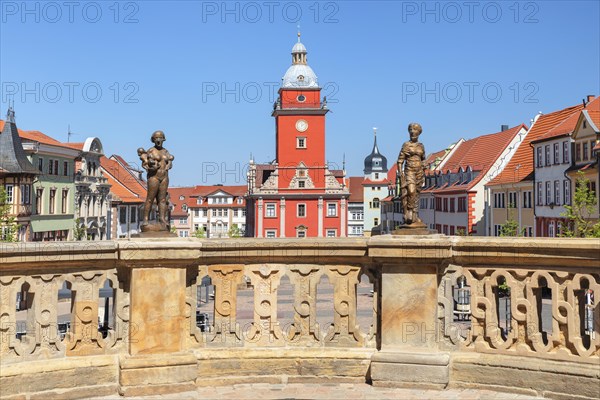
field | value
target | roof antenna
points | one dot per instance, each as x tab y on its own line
584	103
69	134
344	163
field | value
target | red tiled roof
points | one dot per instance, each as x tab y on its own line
592	110
434	156
356	189
124	185
78	146
175	194
479	154
391	175
236	190
40	137
523	157
564	123
595	115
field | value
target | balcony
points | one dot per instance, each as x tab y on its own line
510	314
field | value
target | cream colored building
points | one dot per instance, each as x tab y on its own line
586	146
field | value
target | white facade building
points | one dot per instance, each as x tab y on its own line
375	188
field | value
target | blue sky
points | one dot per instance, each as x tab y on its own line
205	72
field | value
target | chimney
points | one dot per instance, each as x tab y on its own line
503	128
590	97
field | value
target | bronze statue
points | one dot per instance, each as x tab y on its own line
411	176
157	161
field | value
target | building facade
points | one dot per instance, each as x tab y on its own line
297	195
586	146
92	191
514	194
218	211
127	196
17	174
356	207
552	156
54	190
456	202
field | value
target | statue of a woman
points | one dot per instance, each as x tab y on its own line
411	173
157	161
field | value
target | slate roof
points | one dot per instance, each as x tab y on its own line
13	159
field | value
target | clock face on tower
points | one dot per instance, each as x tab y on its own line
301	125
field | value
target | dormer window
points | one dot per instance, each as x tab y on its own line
184	207
300	78
181	197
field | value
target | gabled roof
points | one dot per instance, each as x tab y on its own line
478	154
591	114
125	187
560	123
13	159
434	156
520	167
236	191
356	189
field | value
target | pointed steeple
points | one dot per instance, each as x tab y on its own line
13	159
375	162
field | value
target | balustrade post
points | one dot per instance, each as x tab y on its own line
409	352
157	336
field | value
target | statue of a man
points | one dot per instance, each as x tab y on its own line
411	174
157	161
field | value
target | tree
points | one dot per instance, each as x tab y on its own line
234	231
579	213
199	233
511	227
79	231
8	224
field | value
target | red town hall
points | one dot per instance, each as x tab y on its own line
297	195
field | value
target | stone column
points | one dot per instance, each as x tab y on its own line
259	218
320	218
282	218
343	215
409	353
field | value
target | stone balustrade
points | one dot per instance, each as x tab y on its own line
526	322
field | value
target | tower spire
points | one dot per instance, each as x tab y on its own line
10	114
375	141
298	33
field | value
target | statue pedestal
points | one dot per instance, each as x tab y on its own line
150	235
154	229
409	231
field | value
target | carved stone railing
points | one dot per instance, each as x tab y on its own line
540	329
565	277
